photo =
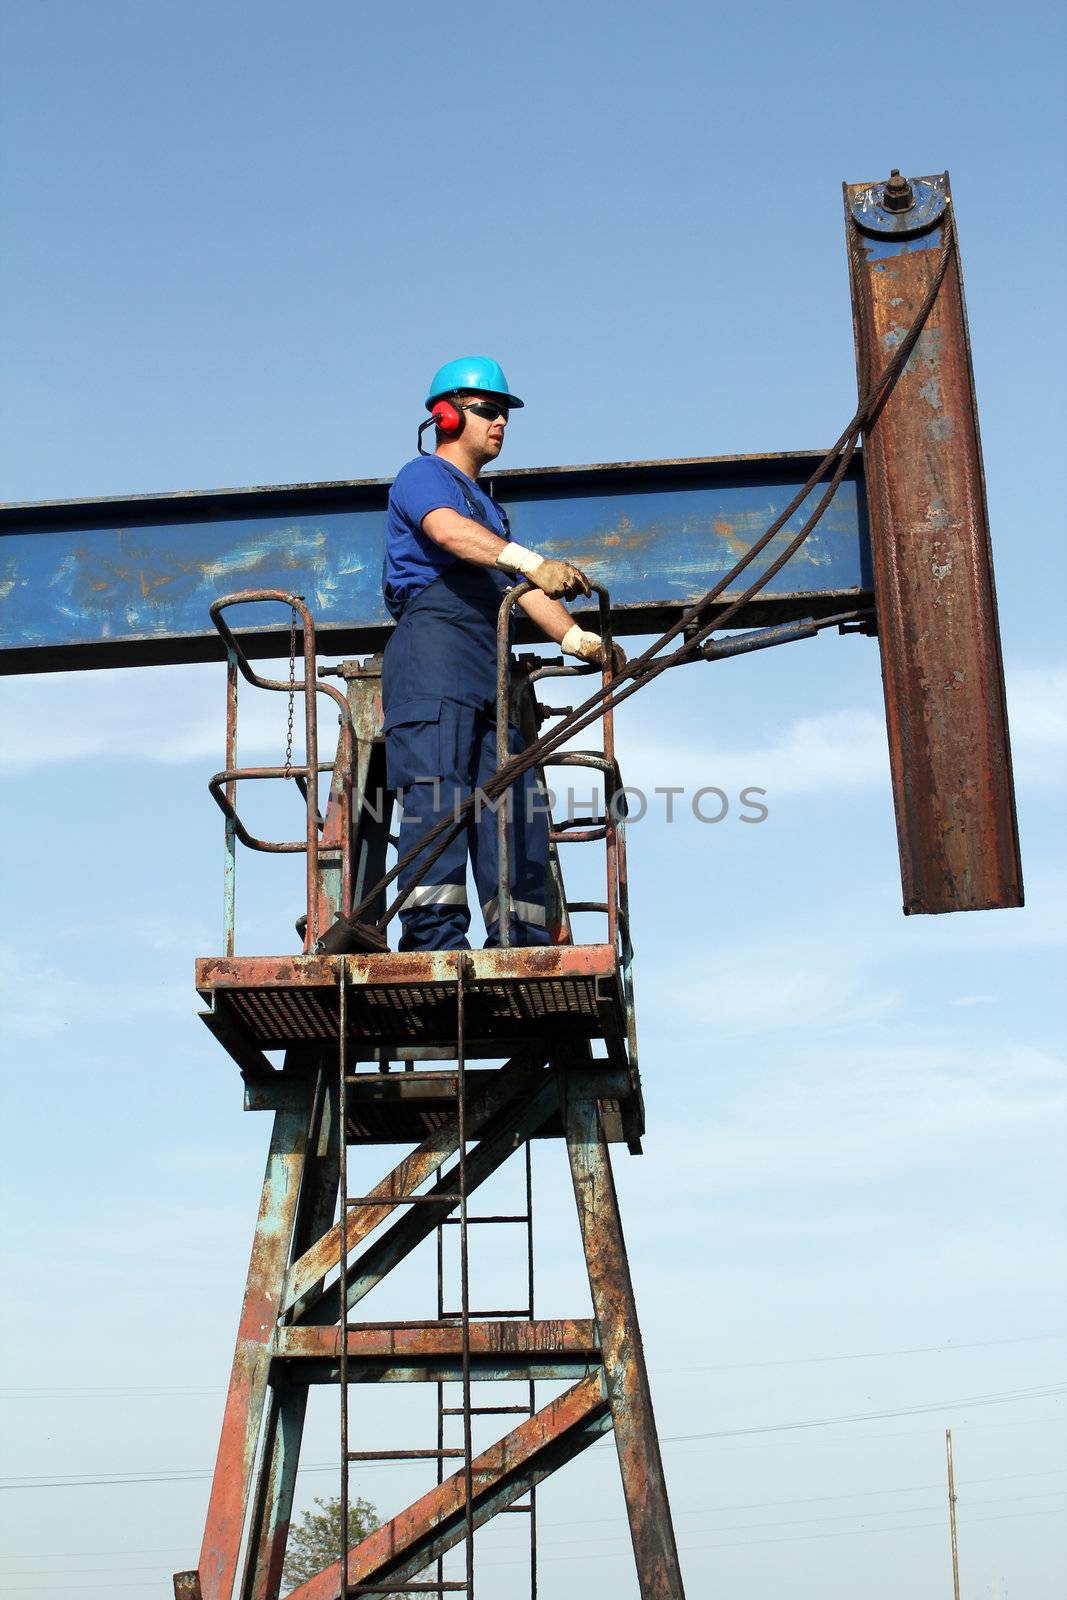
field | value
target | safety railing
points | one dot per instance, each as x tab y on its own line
569	830
335	828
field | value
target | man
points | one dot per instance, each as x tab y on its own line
449	559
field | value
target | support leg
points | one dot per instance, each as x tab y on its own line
248	1379
644	1487
287	1406
283	1434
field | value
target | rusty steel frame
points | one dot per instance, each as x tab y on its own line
933	567
604	761
936	620
223	786
289	1337
309	1271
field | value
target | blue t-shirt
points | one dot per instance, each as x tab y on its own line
412	559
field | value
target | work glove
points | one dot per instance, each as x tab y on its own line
588	646
560	580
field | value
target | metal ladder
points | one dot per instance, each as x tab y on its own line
466	1410
603	828
441	1453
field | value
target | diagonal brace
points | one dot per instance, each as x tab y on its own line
517	1075
402	1548
516	1123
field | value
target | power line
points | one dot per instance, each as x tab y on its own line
149	1550
794	1538
840	1516
819	1499
1006	1397
866	1355
109	1394
573	1522
164	1475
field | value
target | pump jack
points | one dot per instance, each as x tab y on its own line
903	551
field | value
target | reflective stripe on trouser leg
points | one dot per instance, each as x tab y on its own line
528	840
437	894
521	910
436	916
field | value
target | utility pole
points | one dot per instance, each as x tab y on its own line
952	1516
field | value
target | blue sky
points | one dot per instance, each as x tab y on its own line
236	242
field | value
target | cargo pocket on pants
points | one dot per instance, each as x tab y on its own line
413	743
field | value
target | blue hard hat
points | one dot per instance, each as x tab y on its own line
471	372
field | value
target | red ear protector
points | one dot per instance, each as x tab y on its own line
446	416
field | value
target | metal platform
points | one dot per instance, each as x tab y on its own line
402	1009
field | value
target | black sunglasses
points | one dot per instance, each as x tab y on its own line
487	409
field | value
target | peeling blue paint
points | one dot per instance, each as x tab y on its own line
652	540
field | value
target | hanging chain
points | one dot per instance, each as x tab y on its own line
292	693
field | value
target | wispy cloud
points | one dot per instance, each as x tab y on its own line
176	714
169	715
39	998
838	750
856	1114
845	749
1037	705
771	988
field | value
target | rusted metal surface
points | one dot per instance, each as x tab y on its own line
306	1363
603	762
372	802
644	1485
521	996
272	1512
503	1135
286	1406
402	1342
400	1549
418	968
187	1586
223	786
248	1379
325	1008
487	1099
933	569
390	1107
290	1336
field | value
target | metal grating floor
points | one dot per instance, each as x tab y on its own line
402	1008
564	992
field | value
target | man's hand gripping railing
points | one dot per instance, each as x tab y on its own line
614	799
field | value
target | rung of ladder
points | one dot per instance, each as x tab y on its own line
402	1455
402	1200
512	1510
451	1584
367	1327
454	1222
383	1067
487	1411
489	1316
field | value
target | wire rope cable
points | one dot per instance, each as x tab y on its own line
693	621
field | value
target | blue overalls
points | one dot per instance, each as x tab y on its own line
439	700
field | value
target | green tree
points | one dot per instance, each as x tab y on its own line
316	1543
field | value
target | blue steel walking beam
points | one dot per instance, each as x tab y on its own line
128	582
